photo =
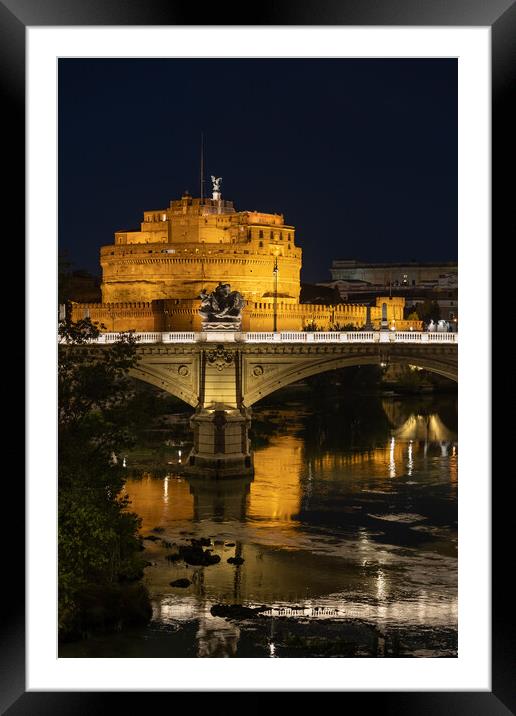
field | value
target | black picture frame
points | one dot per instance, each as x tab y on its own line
500	16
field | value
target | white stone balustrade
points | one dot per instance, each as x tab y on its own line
287	337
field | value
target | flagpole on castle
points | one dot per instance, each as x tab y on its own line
275	305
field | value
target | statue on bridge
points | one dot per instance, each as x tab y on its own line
221	309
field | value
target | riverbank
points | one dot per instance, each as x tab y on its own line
343	544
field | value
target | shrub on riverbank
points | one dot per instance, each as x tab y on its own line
99	551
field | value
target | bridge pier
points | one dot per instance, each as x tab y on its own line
221	443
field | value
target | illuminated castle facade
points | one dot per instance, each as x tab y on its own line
151	279
194	244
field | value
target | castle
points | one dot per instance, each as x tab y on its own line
152	278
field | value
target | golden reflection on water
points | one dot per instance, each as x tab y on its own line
283	476
388	460
259	520
425	427
158	501
276	490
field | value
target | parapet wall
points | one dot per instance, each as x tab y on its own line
139	316
182	315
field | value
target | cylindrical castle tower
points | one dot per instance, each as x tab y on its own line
194	244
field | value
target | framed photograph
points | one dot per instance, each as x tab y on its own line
307	183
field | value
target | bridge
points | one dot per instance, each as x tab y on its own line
223	373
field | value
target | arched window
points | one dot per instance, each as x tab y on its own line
261	244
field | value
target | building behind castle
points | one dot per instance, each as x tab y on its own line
151	278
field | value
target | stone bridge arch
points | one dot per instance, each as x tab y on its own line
222	378
175	371
264	375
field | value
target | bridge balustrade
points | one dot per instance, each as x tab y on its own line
408	336
296	336
107	338
442	337
361	336
259	337
149	337
287	337
178	337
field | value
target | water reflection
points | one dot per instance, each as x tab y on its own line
428	428
277	490
220	500
351	516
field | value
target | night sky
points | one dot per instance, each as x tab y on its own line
359	155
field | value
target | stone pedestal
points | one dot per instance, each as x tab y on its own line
221	443
221	325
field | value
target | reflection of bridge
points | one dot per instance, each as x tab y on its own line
222	374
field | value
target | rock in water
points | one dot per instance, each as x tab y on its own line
236	611
180	583
198	557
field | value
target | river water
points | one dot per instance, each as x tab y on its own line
348	533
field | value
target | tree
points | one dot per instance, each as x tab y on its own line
311	327
99	544
344	327
428	310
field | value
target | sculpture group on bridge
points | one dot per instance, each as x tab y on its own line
221	306
441	326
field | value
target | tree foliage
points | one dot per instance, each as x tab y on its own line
425	311
99	544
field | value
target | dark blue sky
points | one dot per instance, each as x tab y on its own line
359	155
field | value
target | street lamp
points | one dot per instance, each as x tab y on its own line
275	304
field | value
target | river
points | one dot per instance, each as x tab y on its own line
347	532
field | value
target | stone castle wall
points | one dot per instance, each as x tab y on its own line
116	317
182	315
147	274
